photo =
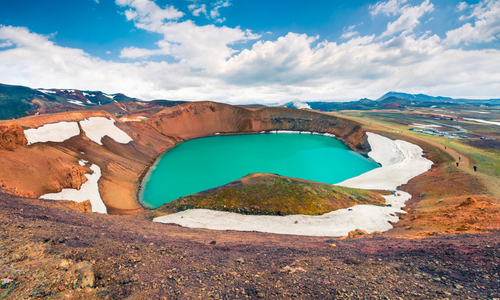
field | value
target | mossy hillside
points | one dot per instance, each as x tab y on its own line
269	194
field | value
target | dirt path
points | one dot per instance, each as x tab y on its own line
465	165
465	162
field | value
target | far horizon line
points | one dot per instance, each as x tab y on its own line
261	102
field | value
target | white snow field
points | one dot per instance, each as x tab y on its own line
56	132
483	121
88	191
400	160
98	127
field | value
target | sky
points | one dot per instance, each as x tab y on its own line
240	51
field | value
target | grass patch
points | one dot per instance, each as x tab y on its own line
268	194
8	289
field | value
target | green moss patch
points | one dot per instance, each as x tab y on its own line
269	194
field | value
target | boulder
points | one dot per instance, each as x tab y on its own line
86	271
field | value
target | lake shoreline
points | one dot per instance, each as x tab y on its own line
377	218
151	204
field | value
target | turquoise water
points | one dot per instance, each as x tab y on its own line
205	163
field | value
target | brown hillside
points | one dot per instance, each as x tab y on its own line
194	120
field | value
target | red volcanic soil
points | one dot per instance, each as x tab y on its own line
53	252
41	168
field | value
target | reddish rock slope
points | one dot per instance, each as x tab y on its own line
193	120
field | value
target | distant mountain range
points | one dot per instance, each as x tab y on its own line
392	100
363	104
427	98
20	101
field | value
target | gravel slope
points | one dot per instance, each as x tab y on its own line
53	252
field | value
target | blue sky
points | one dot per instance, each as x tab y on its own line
253	51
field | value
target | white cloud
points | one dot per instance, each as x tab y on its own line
134	52
5	44
485	29
197	9
214	13
130	14
349	32
294	66
402	63
391	7
96	1
148	12
195	46
462	6
408	15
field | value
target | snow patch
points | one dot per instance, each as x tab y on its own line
477	111
76	102
47	91
336	223
133	118
98	127
425	126
300	132
483	121
400	160
56	132
88	191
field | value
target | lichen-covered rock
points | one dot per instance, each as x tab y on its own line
357	233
